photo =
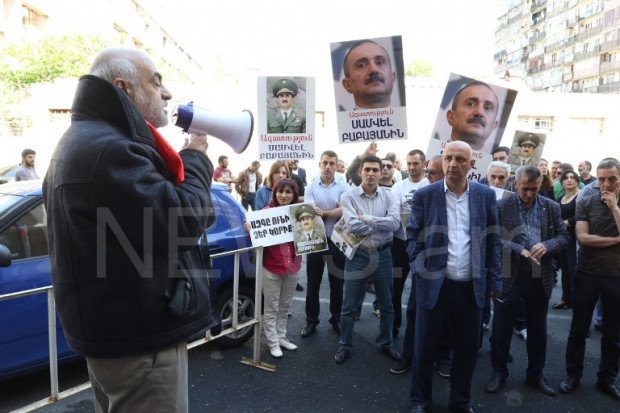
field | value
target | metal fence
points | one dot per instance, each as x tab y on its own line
255	361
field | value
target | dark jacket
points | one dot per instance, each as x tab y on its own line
122	237
553	234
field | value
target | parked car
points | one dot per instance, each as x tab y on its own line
24	265
7	173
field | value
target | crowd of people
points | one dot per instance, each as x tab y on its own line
125	212
472	249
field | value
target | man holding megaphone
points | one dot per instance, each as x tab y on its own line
125	212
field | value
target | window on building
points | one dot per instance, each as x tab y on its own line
539	123
587	126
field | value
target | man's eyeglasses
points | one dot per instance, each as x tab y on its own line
431	172
387	165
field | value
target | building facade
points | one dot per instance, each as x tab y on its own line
561	45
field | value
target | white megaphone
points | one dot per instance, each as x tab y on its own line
234	129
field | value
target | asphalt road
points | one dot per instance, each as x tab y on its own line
308	380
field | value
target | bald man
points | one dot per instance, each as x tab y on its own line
454	245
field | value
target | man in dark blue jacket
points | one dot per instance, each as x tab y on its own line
125	212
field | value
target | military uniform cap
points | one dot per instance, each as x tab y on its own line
285	85
531	138
304	210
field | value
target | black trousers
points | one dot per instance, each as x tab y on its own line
529	291
586	291
400	260
315	265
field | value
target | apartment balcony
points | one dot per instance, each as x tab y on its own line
558	10
554	46
537	5
567	77
607	46
536	69
537	37
613	87
499	55
570	41
586	54
586	72
607	67
588	33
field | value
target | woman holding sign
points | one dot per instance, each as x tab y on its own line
278	171
280	274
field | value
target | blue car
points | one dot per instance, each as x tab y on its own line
25	265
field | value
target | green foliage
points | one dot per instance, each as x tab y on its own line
23	64
419	68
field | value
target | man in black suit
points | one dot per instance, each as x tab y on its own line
532	230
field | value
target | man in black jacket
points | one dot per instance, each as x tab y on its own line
125	212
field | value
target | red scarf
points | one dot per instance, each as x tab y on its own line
171	157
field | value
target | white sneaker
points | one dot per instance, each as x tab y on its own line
285	344
275	351
521	333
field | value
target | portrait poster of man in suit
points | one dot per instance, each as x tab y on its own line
369	89
286	117
308	230
527	148
475	112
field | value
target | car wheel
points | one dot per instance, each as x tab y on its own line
245	308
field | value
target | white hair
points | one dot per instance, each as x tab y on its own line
499	164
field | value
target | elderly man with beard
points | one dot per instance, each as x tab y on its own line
368	75
125	212
473	115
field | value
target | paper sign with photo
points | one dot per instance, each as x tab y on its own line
474	112
308	229
286	127
527	148
369	86
344	240
271	226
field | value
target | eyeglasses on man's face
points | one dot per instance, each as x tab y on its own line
387	165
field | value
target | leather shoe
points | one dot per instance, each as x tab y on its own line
392	352
542	386
609	389
341	355
568	385
336	327
308	330
418	409
495	384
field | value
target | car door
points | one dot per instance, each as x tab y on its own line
24	332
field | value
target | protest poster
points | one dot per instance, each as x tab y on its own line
271	226
474	112
286	126
369	87
308	228
527	148
344	240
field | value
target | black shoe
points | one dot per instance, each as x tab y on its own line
308	330
443	368
298	287
341	355
418	409
392	352
542	386
495	384
568	385
609	389
401	366
336	327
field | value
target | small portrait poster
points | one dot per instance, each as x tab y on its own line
308	228
271	226
369	88
526	149
474	112
286	127
344	240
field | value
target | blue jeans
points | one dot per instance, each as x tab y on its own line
365	263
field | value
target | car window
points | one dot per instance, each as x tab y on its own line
27	236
